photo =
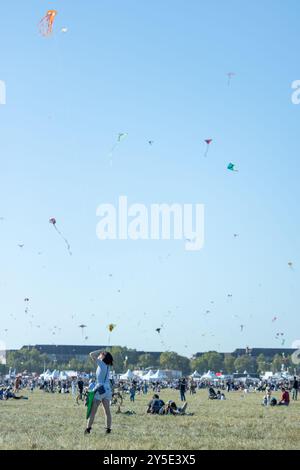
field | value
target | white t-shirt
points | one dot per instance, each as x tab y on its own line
102	374
102	378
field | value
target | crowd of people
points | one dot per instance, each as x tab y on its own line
101	389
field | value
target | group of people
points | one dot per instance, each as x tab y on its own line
158	406
100	391
268	400
212	395
8	392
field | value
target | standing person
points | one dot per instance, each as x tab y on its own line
132	392
145	388
18	383
73	385
80	385
102	392
182	388
295	388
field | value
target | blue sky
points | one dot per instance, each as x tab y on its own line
156	70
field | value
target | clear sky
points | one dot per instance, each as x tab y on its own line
155	69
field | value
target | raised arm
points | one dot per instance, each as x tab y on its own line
95	354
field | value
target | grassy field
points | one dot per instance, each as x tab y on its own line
48	421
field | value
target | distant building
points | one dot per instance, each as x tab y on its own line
268	353
65	353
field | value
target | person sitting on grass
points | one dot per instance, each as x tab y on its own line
155	405
8	393
285	398
267	398
212	394
171	409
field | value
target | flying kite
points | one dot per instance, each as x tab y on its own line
82	328
150	142
26	300
242	327
230	75
231	167
274	319
278	335
46	23
20	245
158	330
290	264
235	235
64	30
53	222
121	136
111	328
208	142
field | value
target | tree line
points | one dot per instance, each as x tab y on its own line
31	360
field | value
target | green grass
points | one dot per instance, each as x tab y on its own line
49	421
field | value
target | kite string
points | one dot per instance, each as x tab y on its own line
65	240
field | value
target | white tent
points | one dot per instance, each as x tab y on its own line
159	375
148	375
63	376
55	374
196	375
46	375
209	376
128	376
71	373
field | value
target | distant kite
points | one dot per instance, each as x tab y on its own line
121	136
274	319
242	327
64	30
230	75
158	330
208	142
231	167
290	264
82	328
26	309
150	142
53	222
20	245
111	327
46	23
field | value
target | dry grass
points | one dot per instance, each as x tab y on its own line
48	421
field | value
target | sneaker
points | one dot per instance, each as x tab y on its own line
108	431
87	431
